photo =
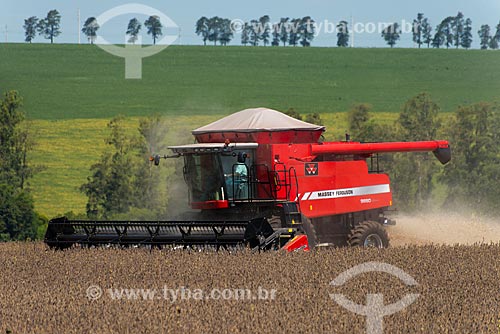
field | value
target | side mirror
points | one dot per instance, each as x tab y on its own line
156	159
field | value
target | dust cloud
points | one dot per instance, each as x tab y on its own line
448	228
178	202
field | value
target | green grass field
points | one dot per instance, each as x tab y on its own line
71	91
82	81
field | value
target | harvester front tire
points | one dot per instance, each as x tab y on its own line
369	234
310	232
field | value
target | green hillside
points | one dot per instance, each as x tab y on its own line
82	81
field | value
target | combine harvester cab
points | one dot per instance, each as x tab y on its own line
262	179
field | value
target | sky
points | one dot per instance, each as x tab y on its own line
366	14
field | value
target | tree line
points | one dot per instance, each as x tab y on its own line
50	27
298	31
453	31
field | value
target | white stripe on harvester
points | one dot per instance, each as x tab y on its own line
348	192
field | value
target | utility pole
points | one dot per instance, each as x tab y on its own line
6	34
78	27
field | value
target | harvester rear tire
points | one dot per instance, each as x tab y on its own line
369	234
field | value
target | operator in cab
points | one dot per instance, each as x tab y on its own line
237	182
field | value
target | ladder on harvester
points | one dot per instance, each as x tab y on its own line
285	179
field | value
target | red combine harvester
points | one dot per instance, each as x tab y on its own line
264	180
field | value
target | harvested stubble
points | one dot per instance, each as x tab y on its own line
44	291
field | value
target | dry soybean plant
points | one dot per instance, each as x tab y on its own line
85	290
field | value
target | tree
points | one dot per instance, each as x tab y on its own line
391	34
306	31
362	127
90	28
444	34
473	176
25	142
419	119
264	29
484	36
412	173
466	38
154	27
254	32
214	29
245	33
293	35
426	32
495	39
293	113
284	30
226	33
11	153
418	29
275	34
121	181
49	27
109	189
133	29
497	33
343	34
18	220
30	25
356	118
447	31
314	118
493	44
202	29
457	24
220	30
439	37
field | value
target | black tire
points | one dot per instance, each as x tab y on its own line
369	234
275	222
310	232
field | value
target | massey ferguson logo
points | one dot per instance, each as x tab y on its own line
311	169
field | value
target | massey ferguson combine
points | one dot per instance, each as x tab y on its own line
264	180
